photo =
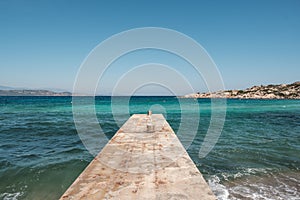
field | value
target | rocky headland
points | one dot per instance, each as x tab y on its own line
283	91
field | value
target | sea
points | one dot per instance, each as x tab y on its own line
257	154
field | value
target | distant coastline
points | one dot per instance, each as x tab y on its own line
33	93
282	91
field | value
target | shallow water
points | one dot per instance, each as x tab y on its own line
256	157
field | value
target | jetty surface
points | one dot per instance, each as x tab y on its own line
144	160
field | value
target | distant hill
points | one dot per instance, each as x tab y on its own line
5	88
283	91
16	92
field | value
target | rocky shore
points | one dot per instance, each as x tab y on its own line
283	91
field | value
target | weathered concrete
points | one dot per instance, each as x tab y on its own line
137	164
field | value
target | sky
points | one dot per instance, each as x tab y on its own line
44	43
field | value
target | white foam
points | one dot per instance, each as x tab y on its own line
218	189
244	172
261	191
11	196
255	183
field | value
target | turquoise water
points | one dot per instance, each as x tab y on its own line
257	155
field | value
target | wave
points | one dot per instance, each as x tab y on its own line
256	183
11	196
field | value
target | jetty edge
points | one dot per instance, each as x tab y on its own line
143	160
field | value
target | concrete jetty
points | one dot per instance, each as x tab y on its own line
144	160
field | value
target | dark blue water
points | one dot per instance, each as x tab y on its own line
256	157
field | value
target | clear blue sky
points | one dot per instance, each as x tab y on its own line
43	43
